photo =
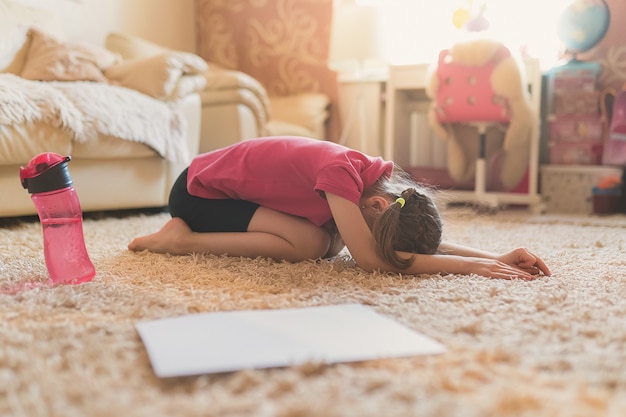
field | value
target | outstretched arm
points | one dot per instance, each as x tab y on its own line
459	259
449	248
520	258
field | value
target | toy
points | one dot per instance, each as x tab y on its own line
615	124
506	150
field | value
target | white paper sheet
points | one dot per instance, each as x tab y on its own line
230	341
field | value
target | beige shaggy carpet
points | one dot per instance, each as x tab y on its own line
551	347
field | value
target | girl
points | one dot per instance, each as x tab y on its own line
293	198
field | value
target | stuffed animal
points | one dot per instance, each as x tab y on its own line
507	146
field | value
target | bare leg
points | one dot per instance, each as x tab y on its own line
270	234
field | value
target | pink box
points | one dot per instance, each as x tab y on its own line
576	129
582	81
565	152
576	103
573	76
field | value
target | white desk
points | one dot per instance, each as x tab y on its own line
405	94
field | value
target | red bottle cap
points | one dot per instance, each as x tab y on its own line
46	172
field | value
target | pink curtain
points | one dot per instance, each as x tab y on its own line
284	44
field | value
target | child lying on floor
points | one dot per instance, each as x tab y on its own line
293	199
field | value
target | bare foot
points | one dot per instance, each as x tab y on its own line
167	240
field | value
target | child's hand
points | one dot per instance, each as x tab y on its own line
526	261
493	268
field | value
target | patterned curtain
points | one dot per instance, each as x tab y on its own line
284	44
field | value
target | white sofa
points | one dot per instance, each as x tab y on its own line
209	107
113	166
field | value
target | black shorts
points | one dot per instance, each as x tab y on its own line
206	215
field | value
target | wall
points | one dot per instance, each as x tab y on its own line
415	30
167	22
283	44
610	52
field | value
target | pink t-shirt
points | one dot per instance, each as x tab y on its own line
287	174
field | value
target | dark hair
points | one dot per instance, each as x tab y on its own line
410	225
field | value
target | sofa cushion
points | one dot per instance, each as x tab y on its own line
111	147
19	143
159	75
15	21
131	47
282	128
49	59
306	110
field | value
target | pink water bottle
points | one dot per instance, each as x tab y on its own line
48	180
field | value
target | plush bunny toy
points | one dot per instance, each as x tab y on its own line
507	146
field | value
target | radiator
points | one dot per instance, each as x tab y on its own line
426	149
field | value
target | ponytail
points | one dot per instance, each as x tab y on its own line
411	223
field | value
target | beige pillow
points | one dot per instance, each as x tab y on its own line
49	59
13	48
309	110
157	76
131	47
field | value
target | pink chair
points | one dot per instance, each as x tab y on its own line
465	96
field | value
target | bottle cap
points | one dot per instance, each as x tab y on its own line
46	172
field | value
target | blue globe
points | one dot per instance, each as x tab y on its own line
583	24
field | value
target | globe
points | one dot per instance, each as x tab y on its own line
583	24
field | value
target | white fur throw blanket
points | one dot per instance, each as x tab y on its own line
86	109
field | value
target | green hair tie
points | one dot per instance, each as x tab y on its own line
400	201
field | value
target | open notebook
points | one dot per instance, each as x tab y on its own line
230	341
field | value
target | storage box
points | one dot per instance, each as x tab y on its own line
569	188
606	201
565	152
576	103
576	129
573	76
